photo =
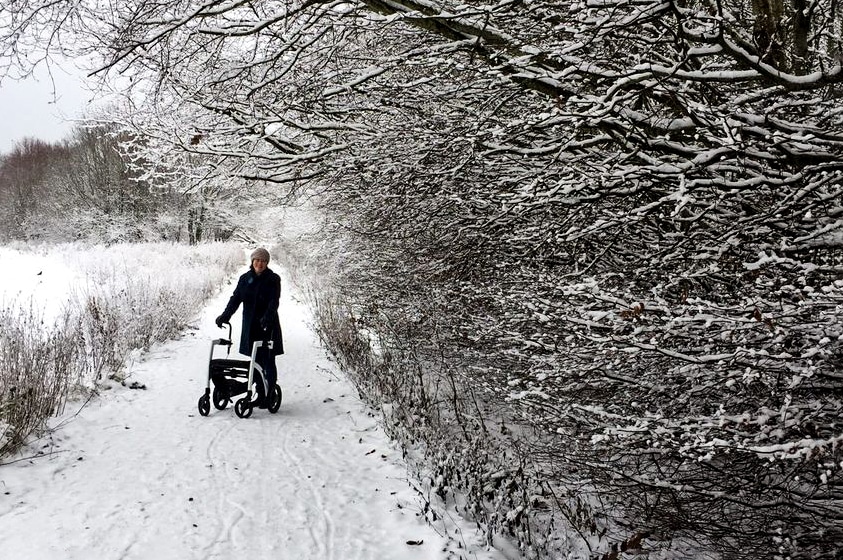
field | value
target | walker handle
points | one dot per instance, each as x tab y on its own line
225	342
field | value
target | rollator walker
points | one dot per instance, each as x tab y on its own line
232	377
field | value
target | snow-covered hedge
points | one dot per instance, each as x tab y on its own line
580	383
73	314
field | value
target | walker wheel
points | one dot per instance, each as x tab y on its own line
204	405
275	400
243	408
221	399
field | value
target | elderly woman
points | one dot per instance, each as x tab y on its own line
259	290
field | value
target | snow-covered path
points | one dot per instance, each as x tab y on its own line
139	474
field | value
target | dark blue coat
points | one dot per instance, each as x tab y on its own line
259	294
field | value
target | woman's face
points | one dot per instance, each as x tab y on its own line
259	265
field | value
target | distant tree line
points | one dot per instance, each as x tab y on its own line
589	254
83	188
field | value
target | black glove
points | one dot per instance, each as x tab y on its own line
220	321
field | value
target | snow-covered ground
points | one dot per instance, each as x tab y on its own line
139	474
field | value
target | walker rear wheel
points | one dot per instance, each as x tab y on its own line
275	400
221	399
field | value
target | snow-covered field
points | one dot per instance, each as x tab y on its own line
37	277
139	474
48	279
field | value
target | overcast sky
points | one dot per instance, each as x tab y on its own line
31	108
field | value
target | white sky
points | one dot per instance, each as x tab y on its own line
33	108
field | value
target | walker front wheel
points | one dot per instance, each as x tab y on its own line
243	408
204	405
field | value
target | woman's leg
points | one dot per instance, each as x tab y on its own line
266	361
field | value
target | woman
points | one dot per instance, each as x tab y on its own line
258	290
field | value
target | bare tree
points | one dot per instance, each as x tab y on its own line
617	224
23	173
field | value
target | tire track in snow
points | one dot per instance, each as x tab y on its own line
325	541
226	522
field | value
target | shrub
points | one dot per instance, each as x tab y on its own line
134	297
38	364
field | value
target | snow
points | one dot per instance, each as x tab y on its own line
139	474
26	274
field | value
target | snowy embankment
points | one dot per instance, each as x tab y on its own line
140	474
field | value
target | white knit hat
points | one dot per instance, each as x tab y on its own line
261	254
